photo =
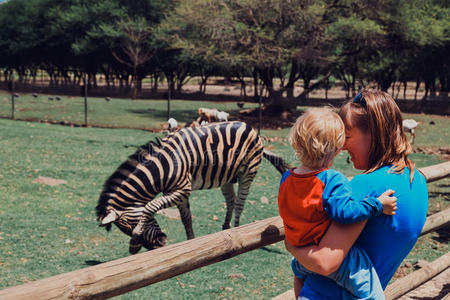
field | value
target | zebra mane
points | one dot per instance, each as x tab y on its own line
114	182
150	147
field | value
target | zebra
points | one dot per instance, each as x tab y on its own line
217	155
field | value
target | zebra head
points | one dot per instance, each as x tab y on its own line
151	237
123	199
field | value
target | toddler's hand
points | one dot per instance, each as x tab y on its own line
389	203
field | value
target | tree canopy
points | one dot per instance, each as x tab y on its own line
312	41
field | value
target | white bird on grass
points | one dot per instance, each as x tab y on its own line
172	124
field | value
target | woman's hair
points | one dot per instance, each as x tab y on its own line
317	136
375	112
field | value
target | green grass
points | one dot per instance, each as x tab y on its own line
124	113
47	230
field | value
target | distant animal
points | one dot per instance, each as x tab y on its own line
35	95
207	114
195	123
172	124
107	99
211	115
222	116
50	98
217	155
240	104
58	98
16	95
409	125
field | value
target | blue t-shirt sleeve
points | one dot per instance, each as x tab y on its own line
344	207
285	175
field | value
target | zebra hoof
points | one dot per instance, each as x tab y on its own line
225	226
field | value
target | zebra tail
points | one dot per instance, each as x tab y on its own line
276	161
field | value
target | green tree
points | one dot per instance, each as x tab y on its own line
308	38
134	45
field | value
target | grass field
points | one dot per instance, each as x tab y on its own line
124	113
48	230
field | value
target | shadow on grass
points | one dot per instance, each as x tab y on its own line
179	115
132	146
93	262
438	194
270	250
443	235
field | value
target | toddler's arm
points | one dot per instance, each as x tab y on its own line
340	205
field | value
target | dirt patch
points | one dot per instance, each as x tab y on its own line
49	181
25	109
170	213
444	152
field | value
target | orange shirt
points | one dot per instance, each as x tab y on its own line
301	208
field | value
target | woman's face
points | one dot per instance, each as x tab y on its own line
357	144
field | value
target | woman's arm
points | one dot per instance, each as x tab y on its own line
326	257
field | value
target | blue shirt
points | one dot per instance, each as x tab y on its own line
386	239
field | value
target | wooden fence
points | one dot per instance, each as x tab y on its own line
129	273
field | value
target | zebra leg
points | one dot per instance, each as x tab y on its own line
230	198
186	218
245	182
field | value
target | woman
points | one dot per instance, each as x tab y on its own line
378	145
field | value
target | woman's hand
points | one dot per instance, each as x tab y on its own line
326	257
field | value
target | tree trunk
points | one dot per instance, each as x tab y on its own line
417	89
290	87
155	83
255	83
300	98
243	86
133	83
405	85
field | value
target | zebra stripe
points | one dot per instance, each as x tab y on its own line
204	157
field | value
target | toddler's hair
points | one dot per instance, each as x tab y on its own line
317	136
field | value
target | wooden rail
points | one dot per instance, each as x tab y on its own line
436	172
129	273
405	284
